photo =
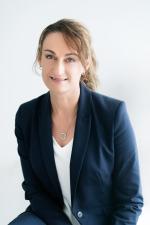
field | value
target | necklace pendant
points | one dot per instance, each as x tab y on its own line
63	136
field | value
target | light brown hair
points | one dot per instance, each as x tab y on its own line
77	37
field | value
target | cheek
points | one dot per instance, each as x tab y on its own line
46	64
75	69
47	69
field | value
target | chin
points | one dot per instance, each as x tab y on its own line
59	90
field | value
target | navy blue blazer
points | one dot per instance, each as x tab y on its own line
104	171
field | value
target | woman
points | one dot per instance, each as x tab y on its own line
77	147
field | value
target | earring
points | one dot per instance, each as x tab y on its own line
84	78
40	67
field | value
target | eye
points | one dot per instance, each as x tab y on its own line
70	59
49	56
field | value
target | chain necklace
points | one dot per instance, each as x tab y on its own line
64	134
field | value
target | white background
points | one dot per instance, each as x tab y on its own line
121	38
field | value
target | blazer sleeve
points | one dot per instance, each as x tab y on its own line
126	178
41	203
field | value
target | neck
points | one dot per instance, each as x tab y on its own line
64	105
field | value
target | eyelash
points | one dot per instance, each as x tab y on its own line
51	57
69	59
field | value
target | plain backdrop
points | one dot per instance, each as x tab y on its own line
121	37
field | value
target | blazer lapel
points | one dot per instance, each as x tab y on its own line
46	142
81	137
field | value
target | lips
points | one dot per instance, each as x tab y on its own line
58	78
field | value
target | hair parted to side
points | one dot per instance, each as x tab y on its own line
77	37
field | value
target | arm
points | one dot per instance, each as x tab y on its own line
127	190
41	202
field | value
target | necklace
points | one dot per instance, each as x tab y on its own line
64	134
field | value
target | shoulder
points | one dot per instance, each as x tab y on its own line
106	104
33	102
110	111
27	109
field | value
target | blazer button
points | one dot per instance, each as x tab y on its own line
80	214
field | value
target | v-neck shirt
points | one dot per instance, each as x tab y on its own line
62	157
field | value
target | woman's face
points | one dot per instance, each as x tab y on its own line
61	66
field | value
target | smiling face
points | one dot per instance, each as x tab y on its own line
61	66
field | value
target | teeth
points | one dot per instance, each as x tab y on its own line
53	78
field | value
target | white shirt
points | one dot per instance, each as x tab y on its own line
62	157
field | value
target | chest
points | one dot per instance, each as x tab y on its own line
59	137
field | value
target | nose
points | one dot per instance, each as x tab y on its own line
58	68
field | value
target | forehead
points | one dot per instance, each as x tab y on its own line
55	41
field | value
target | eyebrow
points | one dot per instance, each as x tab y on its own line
67	54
